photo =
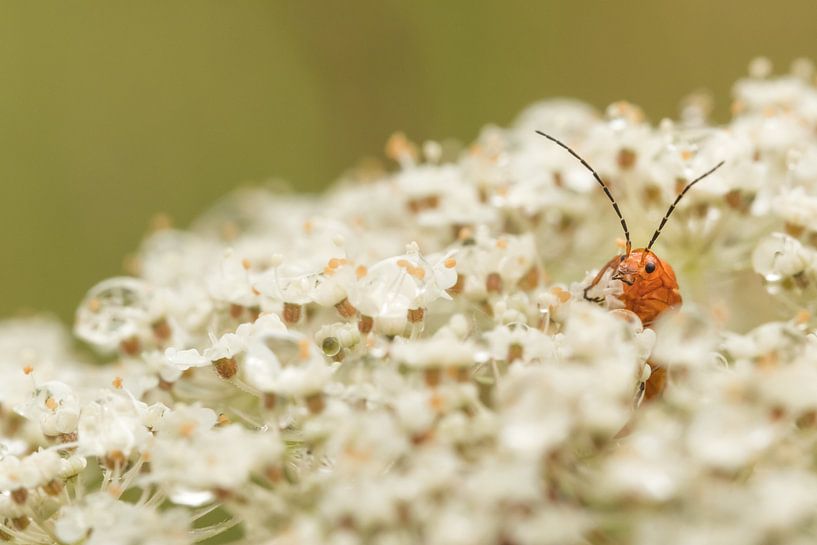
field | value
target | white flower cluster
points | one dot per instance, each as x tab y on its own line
409	358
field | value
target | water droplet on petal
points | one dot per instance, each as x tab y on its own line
114	310
330	346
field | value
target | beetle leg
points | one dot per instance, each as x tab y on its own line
592	299
612	263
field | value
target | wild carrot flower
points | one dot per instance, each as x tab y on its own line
413	357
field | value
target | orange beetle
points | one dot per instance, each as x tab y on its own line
649	286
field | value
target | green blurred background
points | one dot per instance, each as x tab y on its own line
113	111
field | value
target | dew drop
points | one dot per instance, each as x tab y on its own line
330	346
114	310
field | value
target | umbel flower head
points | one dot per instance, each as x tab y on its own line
411	357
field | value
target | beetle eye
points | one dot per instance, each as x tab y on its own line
650	267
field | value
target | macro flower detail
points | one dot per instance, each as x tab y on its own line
418	356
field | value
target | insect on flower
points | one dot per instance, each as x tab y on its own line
649	286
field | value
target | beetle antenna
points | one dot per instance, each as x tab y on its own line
678	199
601	183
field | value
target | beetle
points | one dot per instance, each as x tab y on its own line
649	286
